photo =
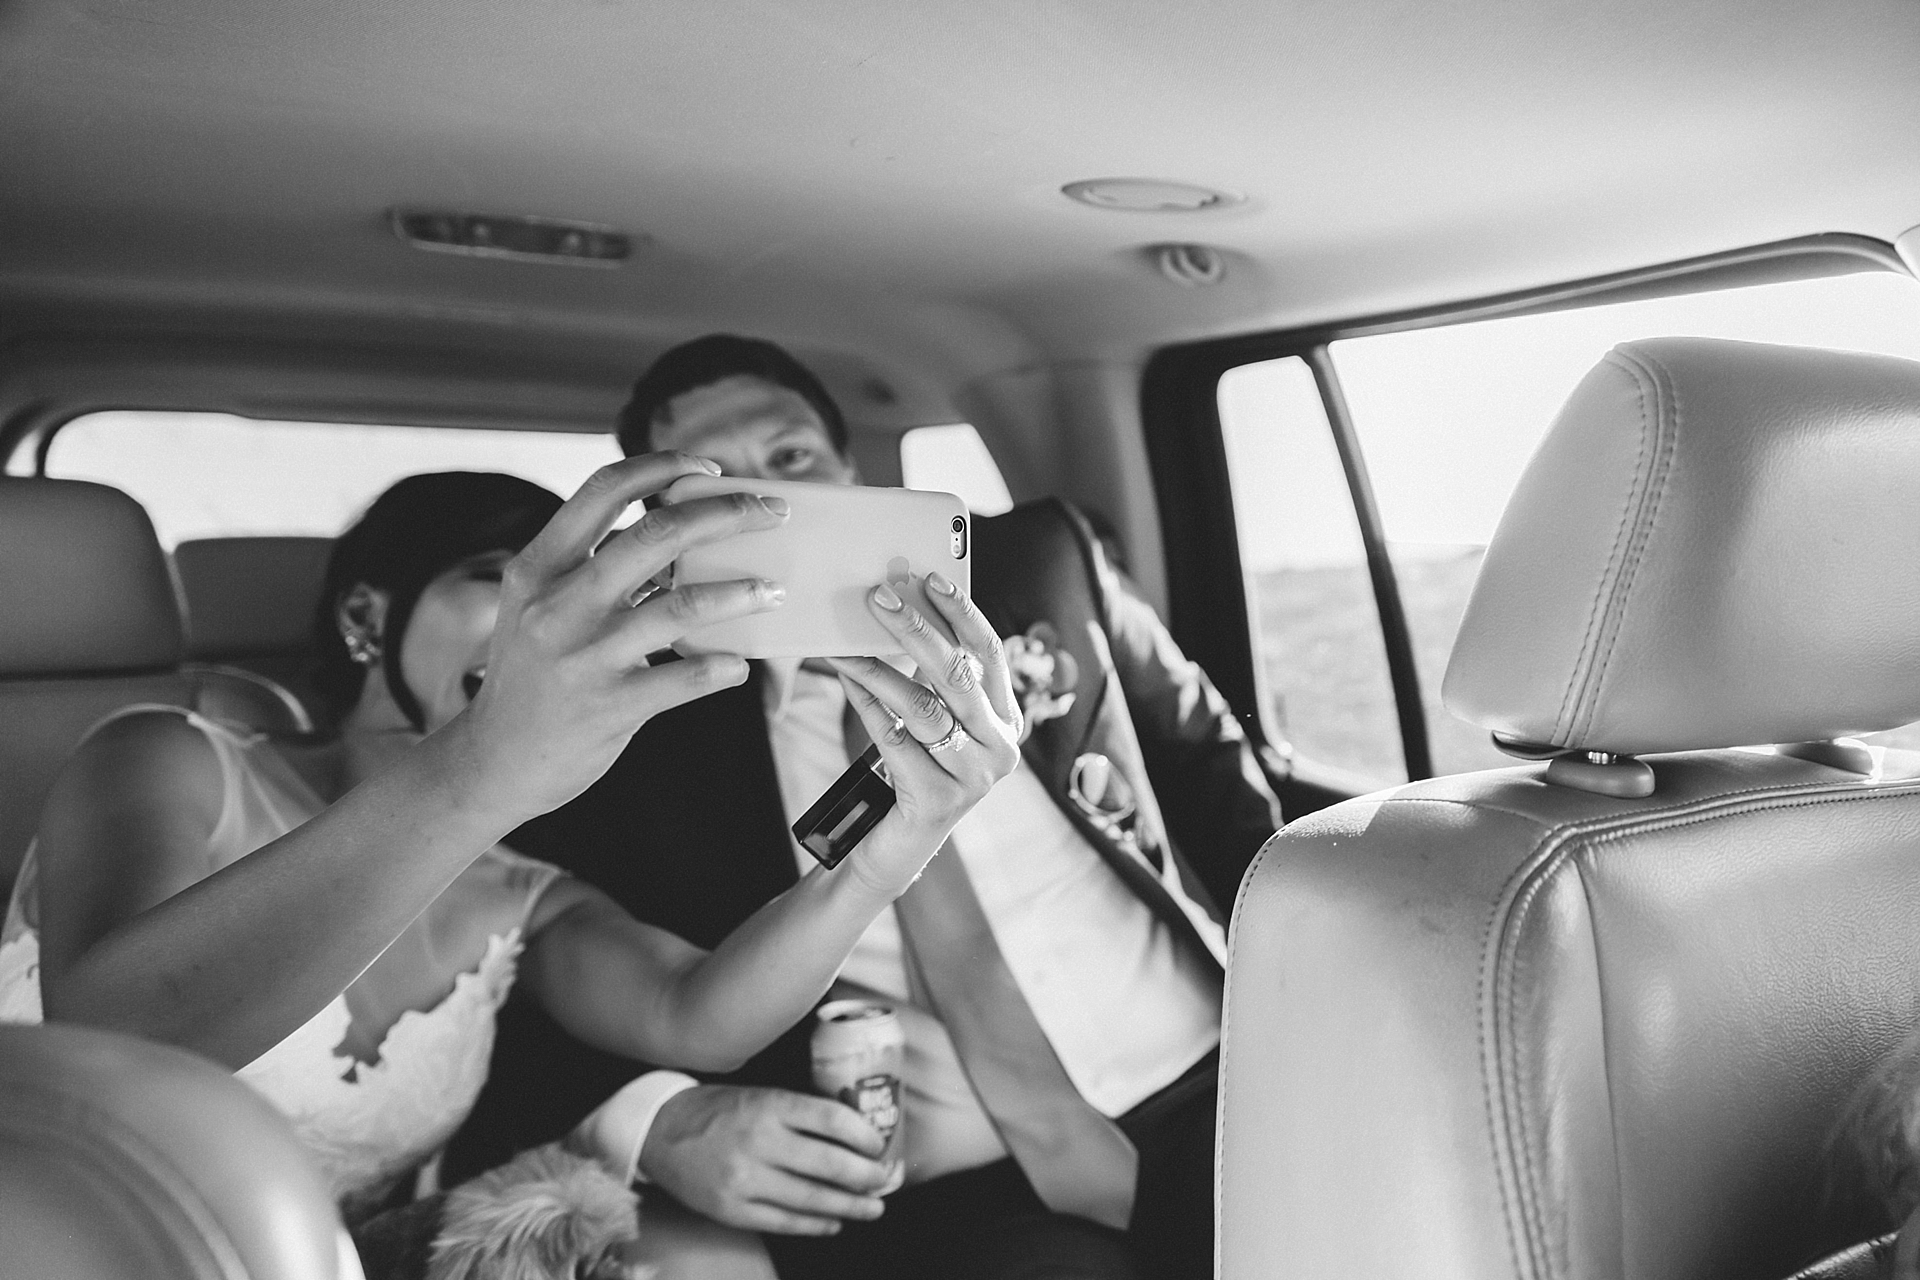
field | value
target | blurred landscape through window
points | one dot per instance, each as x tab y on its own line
211	475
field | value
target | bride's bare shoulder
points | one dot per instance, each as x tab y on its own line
144	759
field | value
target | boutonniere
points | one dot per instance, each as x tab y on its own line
1043	674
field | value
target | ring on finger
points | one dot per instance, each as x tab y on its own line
956	738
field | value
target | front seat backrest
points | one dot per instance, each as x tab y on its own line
121	1159
88	624
1598	1018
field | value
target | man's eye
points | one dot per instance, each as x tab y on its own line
793	459
489	573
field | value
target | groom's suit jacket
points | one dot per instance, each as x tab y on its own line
687	832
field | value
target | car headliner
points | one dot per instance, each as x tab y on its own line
879	182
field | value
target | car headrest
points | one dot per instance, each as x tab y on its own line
84	586
124	1158
1717	544
250	596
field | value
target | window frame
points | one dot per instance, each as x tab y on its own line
1209	612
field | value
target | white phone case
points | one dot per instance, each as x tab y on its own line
837	544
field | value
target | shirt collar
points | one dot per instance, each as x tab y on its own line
776	684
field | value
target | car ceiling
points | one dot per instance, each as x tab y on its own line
879	183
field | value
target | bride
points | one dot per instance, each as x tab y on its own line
339	921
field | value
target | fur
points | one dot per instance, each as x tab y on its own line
1877	1138
547	1214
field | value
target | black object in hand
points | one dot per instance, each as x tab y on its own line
846	811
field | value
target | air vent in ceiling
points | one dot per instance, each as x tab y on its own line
1194	265
481	235
1149	195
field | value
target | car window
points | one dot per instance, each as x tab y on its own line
205	475
954	459
1447	418
1322	666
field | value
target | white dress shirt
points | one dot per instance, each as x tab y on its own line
1126	1008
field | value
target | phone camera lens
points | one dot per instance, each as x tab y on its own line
959	524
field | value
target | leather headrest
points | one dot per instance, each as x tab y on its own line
124	1158
1717	544
84	587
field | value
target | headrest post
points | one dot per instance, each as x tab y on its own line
1603	773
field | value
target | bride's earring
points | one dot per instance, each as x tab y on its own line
362	648
360	614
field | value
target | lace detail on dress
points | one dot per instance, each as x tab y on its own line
366	1124
20	979
20	947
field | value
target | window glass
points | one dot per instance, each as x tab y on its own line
1448	417
954	459
205	475
1323	665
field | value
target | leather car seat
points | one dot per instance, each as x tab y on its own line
249	604
89	623
121	1159
1596	1017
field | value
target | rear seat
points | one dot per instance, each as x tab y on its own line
250	605
89	623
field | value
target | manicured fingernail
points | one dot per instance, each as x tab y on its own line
708	465
884	597
772	593
778	506
938	582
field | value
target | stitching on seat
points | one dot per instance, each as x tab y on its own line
1226	1041
1667	438
1531	1211
1581	659
1512	1199
1506	1116
1613	1111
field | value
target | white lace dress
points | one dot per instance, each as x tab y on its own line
366	1123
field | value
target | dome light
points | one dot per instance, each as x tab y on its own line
1149	195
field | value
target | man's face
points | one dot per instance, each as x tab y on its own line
755	430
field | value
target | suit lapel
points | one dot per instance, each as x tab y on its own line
1032	573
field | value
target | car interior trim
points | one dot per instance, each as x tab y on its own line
1401	672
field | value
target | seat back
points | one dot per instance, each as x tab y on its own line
1600	1017
250	604
88	624
126	1160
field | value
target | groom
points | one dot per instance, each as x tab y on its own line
1058	979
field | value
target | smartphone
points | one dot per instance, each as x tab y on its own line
838	543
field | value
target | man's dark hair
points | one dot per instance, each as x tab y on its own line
714	358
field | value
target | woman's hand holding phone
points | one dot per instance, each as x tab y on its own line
567	681
947	735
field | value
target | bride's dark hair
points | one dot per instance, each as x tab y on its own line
411	534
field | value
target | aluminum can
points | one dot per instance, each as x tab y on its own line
858	1047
